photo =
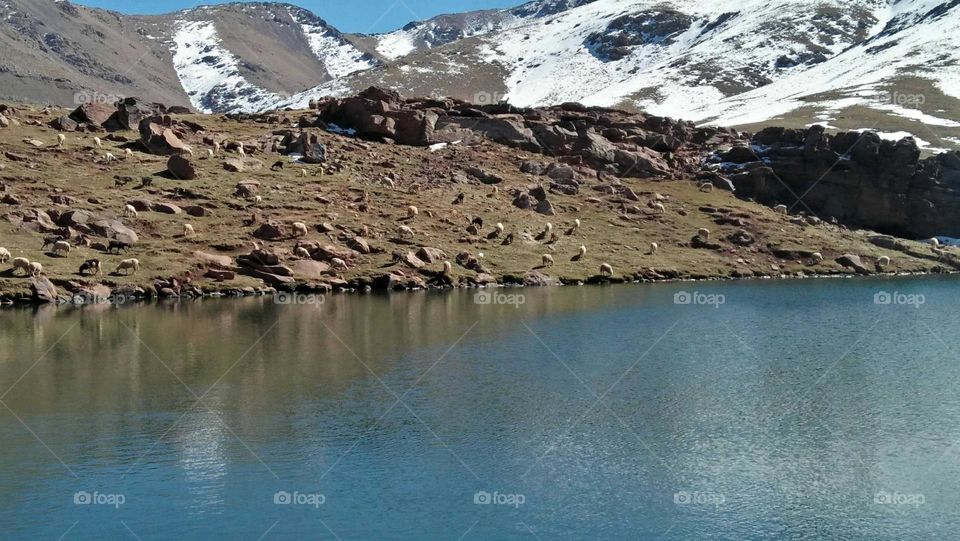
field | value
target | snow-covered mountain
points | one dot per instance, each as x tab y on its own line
892	65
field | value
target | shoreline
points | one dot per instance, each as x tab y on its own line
128	295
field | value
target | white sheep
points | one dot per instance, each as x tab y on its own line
657	206
61	139
817	258
130	212
128	153
576	224
404	232
188	231
129	265
583	250
302	252
447	267
338	263
780	209
499	227
4	255
547	260
21	263
210	153
108	157
216	148
61	247
300	229
704	234
240	150
547	229
606	270
883	262
258	200
935	242
188	150
98	142
412	212
654	247
35	269
303	173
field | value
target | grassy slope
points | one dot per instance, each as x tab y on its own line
610	237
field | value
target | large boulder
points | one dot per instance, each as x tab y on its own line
114	229
94	113
160	139
181	168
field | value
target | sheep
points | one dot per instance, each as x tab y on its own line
654	247
300	229
817	258
277	166
91	265
412	212
301	252
447	267
188	231
780	209
61	140
657	206
704	234
883	262
130	212
303	173
606	270
547	260
117	245
547	229
98	142
497	230
240	150
414	188
257	201
935	242
583	250
188	150
338	263
576	224
4	255
128	265
706	187
210	153
35	269
50	241
404	232
495	192
21	263
108	157
61	247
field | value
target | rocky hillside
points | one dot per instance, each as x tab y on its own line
883	65
380	192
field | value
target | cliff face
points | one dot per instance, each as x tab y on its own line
857	178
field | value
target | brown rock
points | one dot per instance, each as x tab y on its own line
181	168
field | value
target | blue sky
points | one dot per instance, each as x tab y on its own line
364	16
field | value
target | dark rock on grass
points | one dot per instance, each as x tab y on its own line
853	262
181	168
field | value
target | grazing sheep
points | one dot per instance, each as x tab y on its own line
216	148
477	221
459	199
130	212
606	270
414	188
547	260
300	229
257	200
576	224
61	247
447	267
704	234
935	242
817	258
98	142
50	241
301	252
303	173
498	230
412	212
404	232
210	153
653	248
240	150
188	150
61	140
21	263
128	153
547	229
338	263
4	255
128	265
188	231
706	187
108	157
35	269
657	206
277	166
118	246
883	262
780	209
583	250
90	265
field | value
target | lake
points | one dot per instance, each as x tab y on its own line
818	409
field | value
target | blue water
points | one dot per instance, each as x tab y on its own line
793	410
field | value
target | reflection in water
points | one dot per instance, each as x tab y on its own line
786	410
